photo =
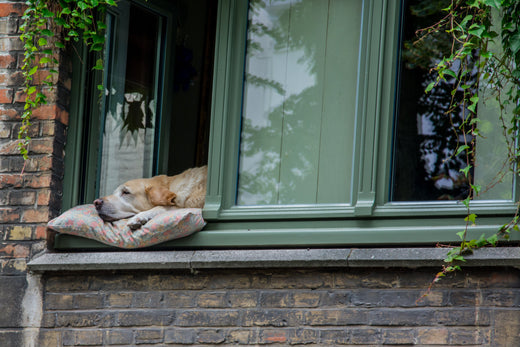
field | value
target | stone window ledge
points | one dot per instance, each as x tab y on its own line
267	258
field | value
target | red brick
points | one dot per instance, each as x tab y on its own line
52	111
6	96
40	215
274	336
10	147
40	233
7	61
7	8
44	145
38	181
8	214
10	180
44	197
14	250
9	114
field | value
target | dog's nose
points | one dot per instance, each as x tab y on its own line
98	203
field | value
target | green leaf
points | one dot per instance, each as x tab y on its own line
461	234
461	149
430	87
471	218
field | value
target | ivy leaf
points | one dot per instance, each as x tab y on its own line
461	149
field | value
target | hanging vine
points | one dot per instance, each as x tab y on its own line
476	29
48	26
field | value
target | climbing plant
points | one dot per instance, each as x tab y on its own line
485	55
48	26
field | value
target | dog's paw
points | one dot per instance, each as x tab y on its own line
136	222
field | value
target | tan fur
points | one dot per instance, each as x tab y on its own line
145	197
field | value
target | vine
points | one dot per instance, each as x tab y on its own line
47	27
476	28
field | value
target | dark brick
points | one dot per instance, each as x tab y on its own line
49	338
334	337
398	336
274	317
276	299
144	318
116	300
11	338
78	319
405	317
243	299
212	300
179	299
211	336
58	302
364	336
119	337
12	289
88	301
151	336
88	338
463	316
303	336
180	336
209	318
336	317
501	298
147	300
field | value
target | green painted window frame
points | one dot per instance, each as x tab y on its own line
371	218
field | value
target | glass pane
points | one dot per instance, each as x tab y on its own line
298	113
425	167
131	98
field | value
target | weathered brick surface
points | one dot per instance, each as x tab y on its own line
285	307
29	190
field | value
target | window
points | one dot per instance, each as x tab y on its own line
313	108
153	115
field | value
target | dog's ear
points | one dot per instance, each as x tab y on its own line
160	196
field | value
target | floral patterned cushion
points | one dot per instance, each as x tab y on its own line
84	221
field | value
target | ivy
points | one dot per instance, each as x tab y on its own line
475	26
47	27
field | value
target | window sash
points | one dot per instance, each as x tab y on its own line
375	107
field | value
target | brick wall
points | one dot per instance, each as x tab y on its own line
27	200
244	307
282	307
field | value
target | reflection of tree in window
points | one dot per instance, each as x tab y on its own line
425	167
291	73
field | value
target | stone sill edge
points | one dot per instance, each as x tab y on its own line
267	258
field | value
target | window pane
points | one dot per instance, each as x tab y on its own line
299	102
131	98
425	167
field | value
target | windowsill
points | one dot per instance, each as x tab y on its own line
271	258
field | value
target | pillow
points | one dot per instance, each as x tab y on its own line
84	221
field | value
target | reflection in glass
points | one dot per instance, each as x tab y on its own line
425	167
131	98
299	102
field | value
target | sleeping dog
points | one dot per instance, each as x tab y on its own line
142	199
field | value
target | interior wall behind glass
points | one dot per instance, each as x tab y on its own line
298	117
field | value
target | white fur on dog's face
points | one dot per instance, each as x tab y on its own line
127	200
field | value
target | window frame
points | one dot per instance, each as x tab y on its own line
371	218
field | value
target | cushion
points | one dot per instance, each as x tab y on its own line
84	221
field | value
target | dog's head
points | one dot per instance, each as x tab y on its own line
133	197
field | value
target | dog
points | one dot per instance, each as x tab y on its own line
144	198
